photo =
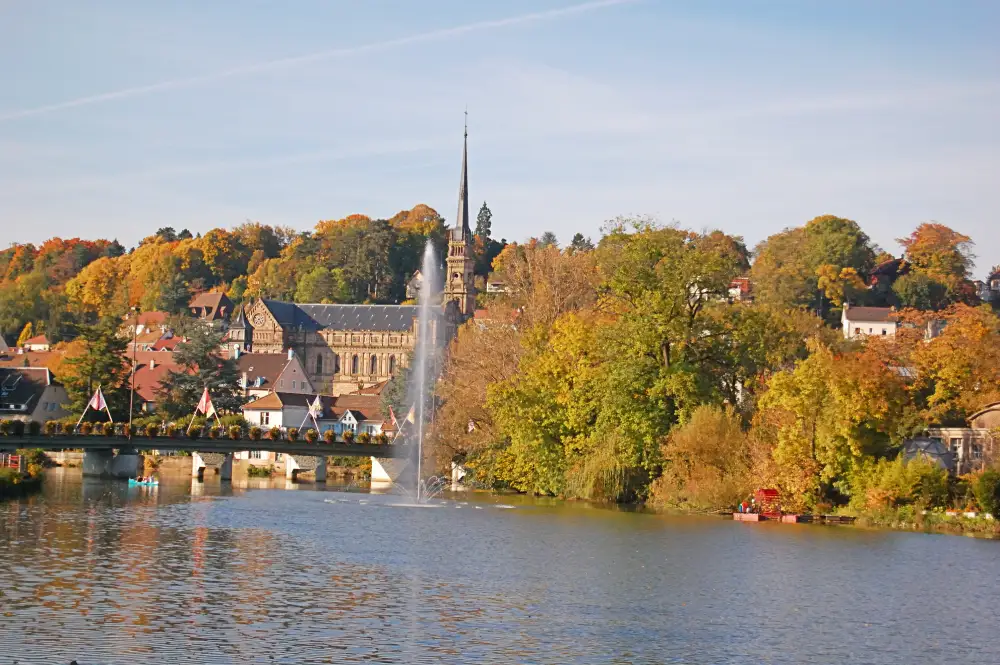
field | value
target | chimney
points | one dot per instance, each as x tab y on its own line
152	363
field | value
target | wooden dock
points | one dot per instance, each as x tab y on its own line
794	519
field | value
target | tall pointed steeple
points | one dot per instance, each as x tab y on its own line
462	231
460	284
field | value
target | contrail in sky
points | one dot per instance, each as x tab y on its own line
433	35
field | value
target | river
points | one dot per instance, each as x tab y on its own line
97	572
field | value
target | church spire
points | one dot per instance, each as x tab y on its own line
462	231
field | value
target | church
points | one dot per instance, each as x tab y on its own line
344	348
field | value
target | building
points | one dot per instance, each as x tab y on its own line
146	322
860	322
151	369
357	413
37	343
31	394
344	348
971	446
213	307
262	373
989	291
739	290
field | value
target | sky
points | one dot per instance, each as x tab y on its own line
119	117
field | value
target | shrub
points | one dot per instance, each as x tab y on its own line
6	427
330	436
194	432
34	428
274	433
364	438
900	482
51	427
152	429
260	471
293	433
382	438
235	432
108	429
215	432
255	433
986	489
68	428
86	428
348	436
172	430
311	435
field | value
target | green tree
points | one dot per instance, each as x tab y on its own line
548	239
921	291
484	222
98	358
202	366
580	243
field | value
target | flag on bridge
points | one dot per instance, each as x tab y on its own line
97	403
206	407
315	411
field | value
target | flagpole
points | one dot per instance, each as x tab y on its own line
135	335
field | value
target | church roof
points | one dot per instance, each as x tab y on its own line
382	318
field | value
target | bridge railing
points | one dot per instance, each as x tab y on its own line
14	429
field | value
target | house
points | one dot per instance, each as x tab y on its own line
37	343
496	287
860	322
263	373
413	286
739	290
989	291
213	307
151	369
146	322
22	358
971	446
357	413
31	394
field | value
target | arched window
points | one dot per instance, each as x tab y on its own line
354	365
374	365
319	364
336	363
392	365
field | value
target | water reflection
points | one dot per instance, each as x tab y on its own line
234	573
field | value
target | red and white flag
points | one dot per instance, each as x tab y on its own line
97	402
205	405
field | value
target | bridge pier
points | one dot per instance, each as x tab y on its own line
223	463
104	463
297	465
388	469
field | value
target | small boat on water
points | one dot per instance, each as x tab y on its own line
132	482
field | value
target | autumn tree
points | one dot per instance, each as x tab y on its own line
941	253
26	334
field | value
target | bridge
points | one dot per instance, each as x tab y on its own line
118	456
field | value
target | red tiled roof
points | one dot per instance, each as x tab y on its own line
148	379
37	339
217	305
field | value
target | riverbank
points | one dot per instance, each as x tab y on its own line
13	483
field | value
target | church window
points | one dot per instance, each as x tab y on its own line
319	364
392	365
354	365
374	365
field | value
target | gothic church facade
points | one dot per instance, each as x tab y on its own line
347	347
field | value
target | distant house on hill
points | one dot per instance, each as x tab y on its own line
860	322
263	373
971	446
37	343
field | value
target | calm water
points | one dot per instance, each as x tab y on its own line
100	573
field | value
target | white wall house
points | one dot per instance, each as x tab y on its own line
860	322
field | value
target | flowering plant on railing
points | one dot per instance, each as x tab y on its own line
152	430
311	435
348	436
364	438
274	434
108	429
235	432
215	432
382	438
86	428
255	433
330	436
68	429
293	433
51	427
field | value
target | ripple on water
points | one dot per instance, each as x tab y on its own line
103	576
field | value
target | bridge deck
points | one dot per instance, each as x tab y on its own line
95	442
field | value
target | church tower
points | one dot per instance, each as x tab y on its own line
460	281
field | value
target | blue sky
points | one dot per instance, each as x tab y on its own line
117	117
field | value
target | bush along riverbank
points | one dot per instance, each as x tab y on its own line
14	483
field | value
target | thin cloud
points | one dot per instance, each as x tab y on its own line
257	68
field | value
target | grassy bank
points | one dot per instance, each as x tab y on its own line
910	518
13	483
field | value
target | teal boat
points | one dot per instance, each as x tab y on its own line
132	482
